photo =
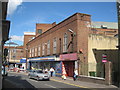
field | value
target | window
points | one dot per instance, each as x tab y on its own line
32	52
39	48
65	43
14	50
54	45
39	31
48	47
36	51
43	49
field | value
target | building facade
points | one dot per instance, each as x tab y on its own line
97	42
64	46
14	55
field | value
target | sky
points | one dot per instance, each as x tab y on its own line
25	15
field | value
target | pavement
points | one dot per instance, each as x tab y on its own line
69	81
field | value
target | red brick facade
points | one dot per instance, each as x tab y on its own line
68	36
16	53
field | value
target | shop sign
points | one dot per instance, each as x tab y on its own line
23	60
72	56
43	58
104	58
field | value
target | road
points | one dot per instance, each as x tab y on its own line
22	81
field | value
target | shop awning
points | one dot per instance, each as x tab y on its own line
18	63
42	60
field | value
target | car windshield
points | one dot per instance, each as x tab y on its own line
39	71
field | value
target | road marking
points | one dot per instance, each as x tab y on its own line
69	83
50	86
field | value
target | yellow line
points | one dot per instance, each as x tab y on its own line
69	83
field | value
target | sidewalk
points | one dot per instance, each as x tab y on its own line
82	84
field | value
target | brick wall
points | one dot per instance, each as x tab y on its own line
74	23
27	38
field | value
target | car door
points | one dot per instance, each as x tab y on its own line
34	74
30	73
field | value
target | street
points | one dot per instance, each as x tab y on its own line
22	81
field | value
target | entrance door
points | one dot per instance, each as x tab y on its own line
69	67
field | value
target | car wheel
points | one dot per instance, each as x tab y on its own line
38	78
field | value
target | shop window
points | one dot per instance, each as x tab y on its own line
48	47
65	43
43	49
54	45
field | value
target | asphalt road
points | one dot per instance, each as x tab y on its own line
22	81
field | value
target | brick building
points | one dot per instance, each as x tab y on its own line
14	55
63	46
27	37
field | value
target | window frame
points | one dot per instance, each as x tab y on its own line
55	45
65	42
43	49
48	47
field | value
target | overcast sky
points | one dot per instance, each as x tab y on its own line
24	15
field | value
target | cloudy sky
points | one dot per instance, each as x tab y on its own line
24	15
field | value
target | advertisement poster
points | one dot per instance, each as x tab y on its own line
58	69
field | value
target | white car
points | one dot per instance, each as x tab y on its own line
39	75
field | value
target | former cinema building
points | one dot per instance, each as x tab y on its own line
69	45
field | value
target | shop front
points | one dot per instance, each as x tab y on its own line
68	63
43	63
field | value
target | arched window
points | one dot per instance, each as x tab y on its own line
30	52
33	52
54	45
48	47
43	49
39	48
36	51
65	43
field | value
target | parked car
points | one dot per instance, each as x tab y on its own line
4	73
38	74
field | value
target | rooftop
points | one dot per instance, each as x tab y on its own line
109	25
